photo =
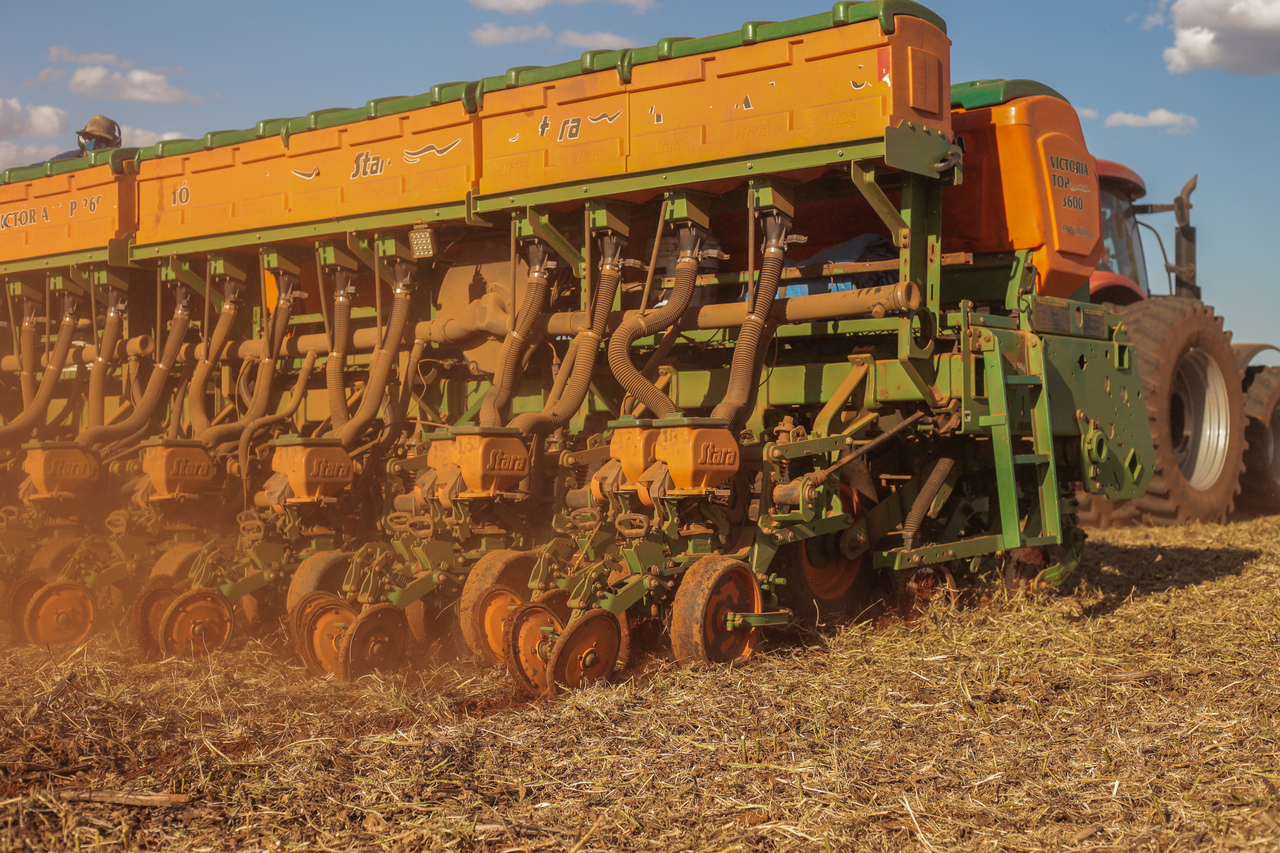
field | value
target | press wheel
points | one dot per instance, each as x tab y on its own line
528	646
176	562
323	571
146	613
587	651
197	623
710	590
321	625
374	641
496	583
922	587
53	555
60	613
296	618
20	595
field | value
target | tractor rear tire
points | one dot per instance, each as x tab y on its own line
1260	484
1191	385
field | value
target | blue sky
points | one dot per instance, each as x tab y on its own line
1169	87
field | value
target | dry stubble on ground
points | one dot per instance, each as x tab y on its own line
1134	709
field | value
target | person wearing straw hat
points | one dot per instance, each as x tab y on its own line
99	133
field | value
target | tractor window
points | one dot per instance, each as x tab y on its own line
1121	243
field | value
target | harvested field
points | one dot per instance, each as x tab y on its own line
1134	709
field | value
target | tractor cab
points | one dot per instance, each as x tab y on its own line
1121	277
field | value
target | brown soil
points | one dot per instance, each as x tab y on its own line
1134	709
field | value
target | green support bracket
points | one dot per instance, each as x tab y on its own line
286	260
361	247
68	280
692	207
611	215
334	256
864	180
768	193
535	222
247	585
415	590
393	246
178	271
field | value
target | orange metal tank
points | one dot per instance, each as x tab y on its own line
1029	183
75	209
827	87
230	183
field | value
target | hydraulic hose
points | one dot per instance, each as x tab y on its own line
75	395
335	365
265	378
639	325
410	376
929	491
105	361
742	370
513	346
295	400
27	350
32	415
556	413
196	411
380	369
141	415
562	373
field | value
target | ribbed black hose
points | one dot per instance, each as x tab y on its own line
557	412
265	378
636	326
141	416
929	491
335	365
513	346
103	363
17	431
742	370
295	400
196	411
27	356
379	370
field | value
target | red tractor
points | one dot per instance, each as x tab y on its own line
1215	419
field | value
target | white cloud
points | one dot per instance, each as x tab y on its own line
594	41
1157	16
136	137
512	7
32	120
1177	123
1242	36
137	85
492	35
1086	112
528	7
48	75
12	154
66	54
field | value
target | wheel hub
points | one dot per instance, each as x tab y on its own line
1200	419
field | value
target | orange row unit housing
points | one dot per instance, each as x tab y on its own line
328	165
78	205
1037	190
